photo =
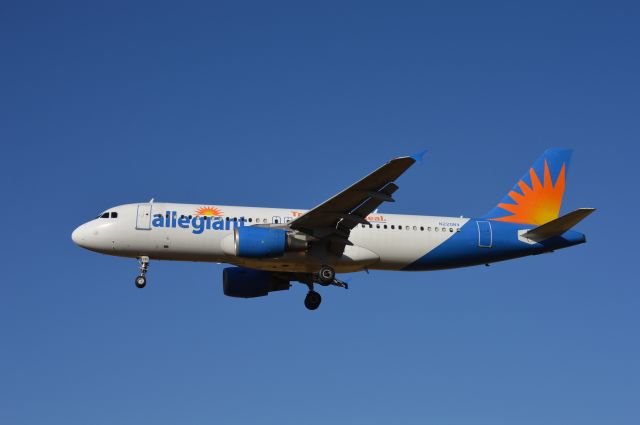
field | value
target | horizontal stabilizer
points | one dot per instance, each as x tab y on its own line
558	226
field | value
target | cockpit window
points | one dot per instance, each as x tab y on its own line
114	214
105	215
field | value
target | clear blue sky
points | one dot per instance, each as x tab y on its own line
284	104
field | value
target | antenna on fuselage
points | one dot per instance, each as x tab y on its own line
151	201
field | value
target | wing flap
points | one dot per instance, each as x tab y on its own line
373	202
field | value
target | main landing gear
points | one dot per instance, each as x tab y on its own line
326	276
141	280
312	300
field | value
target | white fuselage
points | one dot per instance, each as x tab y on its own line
189	232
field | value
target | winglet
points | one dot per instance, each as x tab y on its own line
418	157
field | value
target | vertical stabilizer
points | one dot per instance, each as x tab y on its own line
537	197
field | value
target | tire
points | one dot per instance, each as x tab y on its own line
312	300
141	282
326	275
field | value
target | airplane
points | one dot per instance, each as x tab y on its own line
268	248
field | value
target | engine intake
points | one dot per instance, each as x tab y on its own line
241	282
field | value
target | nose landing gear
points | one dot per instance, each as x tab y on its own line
141	280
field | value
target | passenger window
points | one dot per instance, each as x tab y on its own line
114	214
385	226
250	219
458	229
437	229
416	228
399	227
429	229
377	226
451	229
265	221
421	228
392	226
444	229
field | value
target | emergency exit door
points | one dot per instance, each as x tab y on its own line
143	221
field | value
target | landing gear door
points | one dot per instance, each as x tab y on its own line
143	220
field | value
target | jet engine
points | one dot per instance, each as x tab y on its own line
261	242
241	282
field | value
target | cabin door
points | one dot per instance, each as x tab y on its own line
485	235
143	221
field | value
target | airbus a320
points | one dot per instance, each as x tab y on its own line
269	248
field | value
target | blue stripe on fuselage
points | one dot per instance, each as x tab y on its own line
462	248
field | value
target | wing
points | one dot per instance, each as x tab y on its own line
333	220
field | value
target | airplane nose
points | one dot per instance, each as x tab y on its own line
78	235
92	237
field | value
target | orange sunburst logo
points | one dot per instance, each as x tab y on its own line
208	211
537	204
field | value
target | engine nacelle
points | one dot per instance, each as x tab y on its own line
241	282
261	242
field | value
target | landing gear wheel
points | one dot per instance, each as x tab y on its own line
326	275
141	281
312	300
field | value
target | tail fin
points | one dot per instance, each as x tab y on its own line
536	198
